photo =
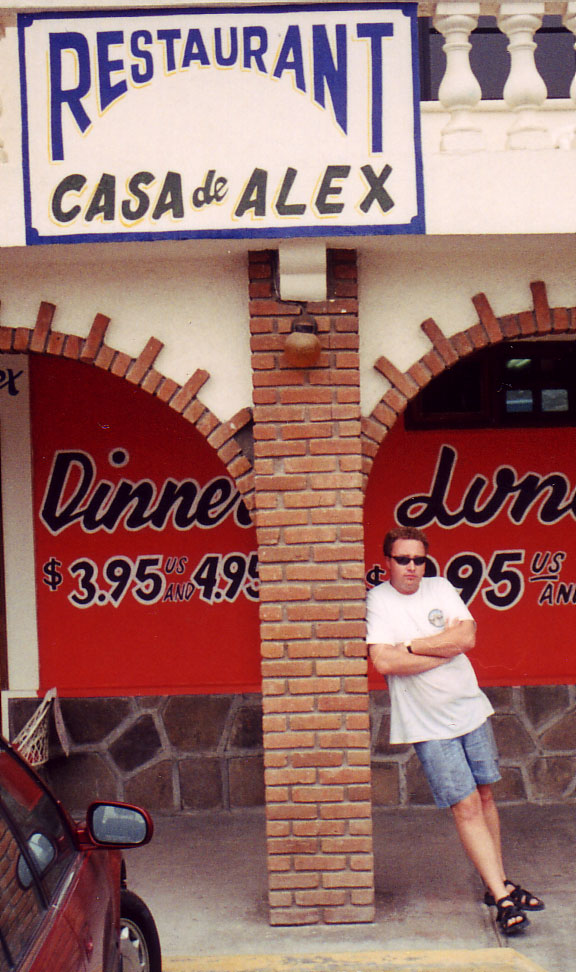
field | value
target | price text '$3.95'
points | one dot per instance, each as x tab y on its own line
218	578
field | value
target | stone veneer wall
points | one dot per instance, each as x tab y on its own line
535	730
169	754
193	753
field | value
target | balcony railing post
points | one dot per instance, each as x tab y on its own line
570	22
459	90
525	91
3	155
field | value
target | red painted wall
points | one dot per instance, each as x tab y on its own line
168	605
499	510
153	596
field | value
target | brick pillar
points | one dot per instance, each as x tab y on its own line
308	507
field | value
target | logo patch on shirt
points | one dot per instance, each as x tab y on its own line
436	617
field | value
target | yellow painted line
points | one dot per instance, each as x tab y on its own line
456	960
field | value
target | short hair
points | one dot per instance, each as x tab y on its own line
404	533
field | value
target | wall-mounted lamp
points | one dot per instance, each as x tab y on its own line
302	348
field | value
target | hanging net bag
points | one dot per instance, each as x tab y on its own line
32	740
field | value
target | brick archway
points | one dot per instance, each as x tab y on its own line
141	371
540	320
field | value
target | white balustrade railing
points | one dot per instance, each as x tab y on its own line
3	156
459	90
525	93
570	23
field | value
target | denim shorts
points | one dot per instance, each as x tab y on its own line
454	767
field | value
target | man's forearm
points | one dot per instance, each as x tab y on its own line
457	638
397	660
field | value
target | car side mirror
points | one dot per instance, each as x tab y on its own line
119	825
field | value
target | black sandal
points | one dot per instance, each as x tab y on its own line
524	900
507	917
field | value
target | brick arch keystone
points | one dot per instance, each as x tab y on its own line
541	319
141	371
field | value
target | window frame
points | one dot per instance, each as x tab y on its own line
493	386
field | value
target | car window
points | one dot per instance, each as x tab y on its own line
20	908
36	850
41	825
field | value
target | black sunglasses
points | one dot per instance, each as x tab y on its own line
404	561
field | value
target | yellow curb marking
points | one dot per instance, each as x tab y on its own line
461	960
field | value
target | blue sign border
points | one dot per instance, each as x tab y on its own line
416	226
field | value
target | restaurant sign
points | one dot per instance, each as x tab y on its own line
263	121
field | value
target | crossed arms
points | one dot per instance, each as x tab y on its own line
428	652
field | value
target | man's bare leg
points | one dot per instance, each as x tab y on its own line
481	841
492	819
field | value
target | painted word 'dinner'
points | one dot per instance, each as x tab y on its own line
74	494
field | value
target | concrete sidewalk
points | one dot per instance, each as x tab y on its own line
204	878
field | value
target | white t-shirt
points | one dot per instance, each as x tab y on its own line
440	704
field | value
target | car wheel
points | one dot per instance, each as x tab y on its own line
139	941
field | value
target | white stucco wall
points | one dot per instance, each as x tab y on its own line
191	296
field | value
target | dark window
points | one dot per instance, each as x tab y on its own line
538	384
514	384
490	61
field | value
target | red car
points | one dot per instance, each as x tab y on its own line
64	905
